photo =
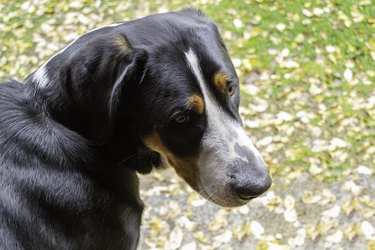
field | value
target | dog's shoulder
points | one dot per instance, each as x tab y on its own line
31	133
46	190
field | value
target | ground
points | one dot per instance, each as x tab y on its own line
307	70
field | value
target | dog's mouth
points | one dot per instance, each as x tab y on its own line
227	195
228	181
245	196
226	187
219	191
224	197
230	191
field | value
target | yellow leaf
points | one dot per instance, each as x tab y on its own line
299	38
261	245
201	237
310	198
238	232
349	232
255	32
371	245
332	58
347	207
312	232
366	200
217	224
324	227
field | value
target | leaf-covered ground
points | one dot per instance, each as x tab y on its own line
308	101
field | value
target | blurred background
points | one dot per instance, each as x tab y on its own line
307	70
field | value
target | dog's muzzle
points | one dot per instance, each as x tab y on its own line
232	171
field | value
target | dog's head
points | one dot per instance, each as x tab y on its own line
171	78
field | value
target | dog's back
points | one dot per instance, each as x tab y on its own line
47	198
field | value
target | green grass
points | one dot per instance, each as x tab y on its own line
323	39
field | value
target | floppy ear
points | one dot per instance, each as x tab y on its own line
95	78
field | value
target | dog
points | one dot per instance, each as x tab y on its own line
121	100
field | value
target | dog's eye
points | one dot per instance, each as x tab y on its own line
232	90
182	118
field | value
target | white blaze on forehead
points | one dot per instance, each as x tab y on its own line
214	112
41	76
223	132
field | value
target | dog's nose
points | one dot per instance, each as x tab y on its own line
251	181
251	177
252	188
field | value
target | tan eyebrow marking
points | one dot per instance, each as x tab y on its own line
220	80
196	103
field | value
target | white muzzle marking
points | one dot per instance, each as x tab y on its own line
222	135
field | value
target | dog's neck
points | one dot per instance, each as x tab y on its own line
51	102
80	154
52	105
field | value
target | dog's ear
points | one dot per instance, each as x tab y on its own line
96	77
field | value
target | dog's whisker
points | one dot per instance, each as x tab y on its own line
126	159
207	194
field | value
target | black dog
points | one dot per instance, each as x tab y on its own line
119	100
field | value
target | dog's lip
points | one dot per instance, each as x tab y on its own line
231	199
245	197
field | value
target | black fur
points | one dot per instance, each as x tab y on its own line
70	150
55	192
